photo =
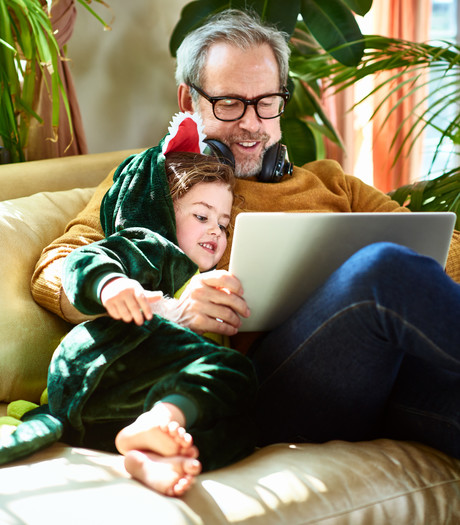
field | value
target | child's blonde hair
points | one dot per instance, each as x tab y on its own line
184	170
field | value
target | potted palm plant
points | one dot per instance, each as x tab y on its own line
27	45
413	67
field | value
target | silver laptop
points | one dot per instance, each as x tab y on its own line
281	258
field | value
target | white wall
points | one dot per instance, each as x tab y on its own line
124	78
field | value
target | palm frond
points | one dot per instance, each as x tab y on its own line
409	68
440	194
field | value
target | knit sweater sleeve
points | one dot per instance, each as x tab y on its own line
453	259
46	286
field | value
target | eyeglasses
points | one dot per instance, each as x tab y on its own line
233	108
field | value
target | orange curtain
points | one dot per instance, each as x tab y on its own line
43	141
367	145
408	20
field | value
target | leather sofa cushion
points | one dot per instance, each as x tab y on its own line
336	483
28	333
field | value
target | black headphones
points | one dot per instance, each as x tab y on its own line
274	164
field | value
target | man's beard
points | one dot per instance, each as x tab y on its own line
249	166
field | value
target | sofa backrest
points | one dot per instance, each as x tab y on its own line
79	171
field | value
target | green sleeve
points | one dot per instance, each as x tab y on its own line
138	253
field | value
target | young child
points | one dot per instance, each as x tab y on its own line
133	380
201	190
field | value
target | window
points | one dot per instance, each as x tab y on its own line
444	27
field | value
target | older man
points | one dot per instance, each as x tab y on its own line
375	351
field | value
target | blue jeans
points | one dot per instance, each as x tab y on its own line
375	352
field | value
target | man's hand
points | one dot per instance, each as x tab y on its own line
125	299
212	302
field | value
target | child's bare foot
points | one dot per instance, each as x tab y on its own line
159	430
159	452
171	476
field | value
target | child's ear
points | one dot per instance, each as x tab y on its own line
184	99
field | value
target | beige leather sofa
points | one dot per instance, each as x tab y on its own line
378	482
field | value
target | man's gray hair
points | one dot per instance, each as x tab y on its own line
233	27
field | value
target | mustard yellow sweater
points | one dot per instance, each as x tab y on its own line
320	186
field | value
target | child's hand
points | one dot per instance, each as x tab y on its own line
126	299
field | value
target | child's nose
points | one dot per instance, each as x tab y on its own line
214	229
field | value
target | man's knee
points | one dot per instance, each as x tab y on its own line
386	264
385	258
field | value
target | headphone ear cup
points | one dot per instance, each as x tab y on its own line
268	165
275	164
221	151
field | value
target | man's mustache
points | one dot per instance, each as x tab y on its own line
247	137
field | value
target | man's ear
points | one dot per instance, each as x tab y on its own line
184	99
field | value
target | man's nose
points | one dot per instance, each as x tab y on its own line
250	121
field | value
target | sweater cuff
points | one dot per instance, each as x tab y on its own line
46	286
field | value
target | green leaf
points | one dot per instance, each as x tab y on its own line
321	132
7	60
192	16
4	43
416	199
360	7
305	125
85	3
281	14
299	140
302	42
335	27
305	103
440	194
401	194
25	28
28	109
8	122
300	104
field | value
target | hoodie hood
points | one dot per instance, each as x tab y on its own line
140	196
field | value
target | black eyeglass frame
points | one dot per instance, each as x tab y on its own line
247	102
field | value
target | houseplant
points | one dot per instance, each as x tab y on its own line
27	44
414	67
